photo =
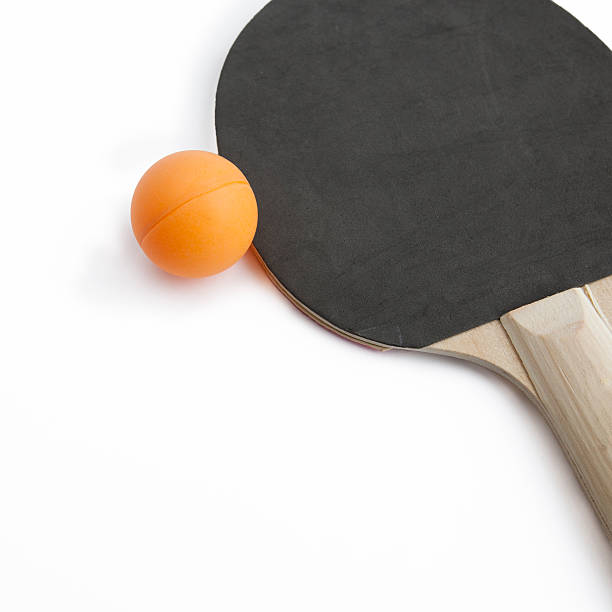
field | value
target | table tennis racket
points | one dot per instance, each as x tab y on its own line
429	173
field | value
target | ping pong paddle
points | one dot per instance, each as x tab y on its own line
437	175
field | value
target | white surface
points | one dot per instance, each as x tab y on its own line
173	445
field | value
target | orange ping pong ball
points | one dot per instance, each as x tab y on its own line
194	214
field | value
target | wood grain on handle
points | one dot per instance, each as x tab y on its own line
565	344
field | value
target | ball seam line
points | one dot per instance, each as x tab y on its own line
195	197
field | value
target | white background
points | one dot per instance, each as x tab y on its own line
172	445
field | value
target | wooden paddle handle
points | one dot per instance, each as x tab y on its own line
565	343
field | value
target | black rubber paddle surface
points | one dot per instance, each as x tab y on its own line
422	166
